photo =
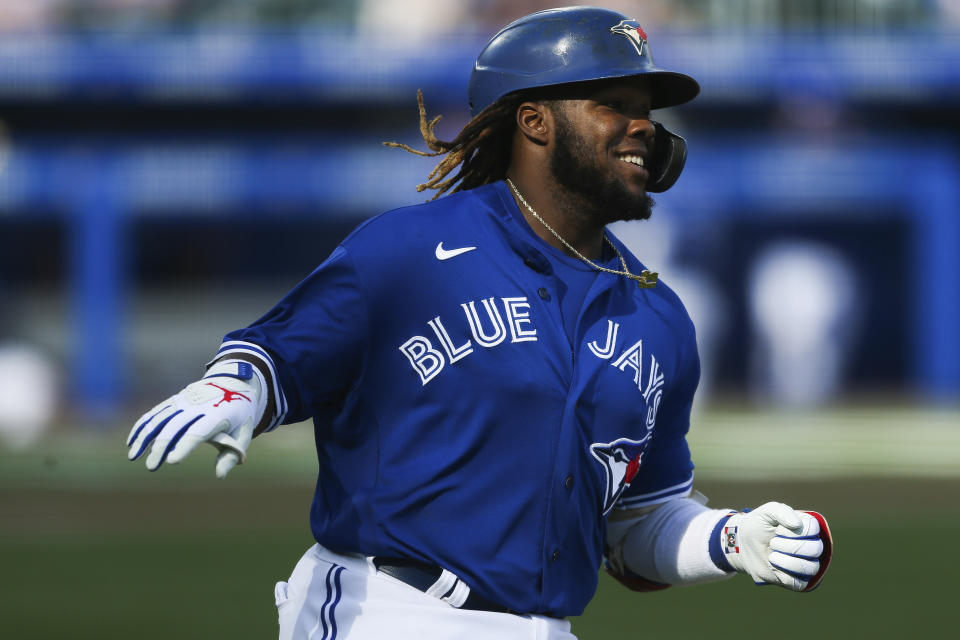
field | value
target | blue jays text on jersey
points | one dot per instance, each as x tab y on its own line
459	421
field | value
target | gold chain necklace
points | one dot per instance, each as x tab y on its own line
645	280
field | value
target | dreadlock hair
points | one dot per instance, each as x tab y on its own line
481	150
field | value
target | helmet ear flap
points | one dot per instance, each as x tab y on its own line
666	163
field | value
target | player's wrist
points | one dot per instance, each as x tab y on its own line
670	544
233	376
270	416
717	544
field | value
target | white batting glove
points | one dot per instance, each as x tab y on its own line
222	408
775	544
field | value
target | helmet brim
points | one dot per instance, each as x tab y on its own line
667	88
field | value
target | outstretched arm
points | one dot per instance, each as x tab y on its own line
307	350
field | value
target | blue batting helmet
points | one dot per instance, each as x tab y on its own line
572	44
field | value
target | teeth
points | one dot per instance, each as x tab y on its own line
637	160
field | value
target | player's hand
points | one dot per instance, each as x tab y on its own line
775	544
223	408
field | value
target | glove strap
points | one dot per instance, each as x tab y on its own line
719	543
231	369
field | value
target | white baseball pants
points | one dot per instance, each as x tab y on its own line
336	597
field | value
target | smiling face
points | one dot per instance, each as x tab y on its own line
603	135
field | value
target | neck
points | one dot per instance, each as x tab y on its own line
566	213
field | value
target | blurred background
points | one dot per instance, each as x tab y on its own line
170	168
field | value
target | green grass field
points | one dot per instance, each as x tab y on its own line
94	547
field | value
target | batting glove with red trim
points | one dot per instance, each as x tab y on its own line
223	408
774	544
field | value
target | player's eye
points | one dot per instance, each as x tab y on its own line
634	111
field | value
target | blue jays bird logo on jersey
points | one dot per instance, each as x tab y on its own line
631	29
621	462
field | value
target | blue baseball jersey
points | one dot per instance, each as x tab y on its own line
461	418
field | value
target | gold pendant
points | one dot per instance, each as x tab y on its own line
647	279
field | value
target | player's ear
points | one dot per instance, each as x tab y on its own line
534	121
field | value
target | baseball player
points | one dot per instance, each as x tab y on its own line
500	391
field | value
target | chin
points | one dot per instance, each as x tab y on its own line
627	204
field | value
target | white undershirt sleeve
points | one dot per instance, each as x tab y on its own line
670	545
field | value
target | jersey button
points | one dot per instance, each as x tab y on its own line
543	293
568	483
556	555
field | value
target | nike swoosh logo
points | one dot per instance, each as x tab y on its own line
445	254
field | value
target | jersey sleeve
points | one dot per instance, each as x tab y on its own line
667	468
311	345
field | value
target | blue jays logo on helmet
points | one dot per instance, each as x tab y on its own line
621	462
631	29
